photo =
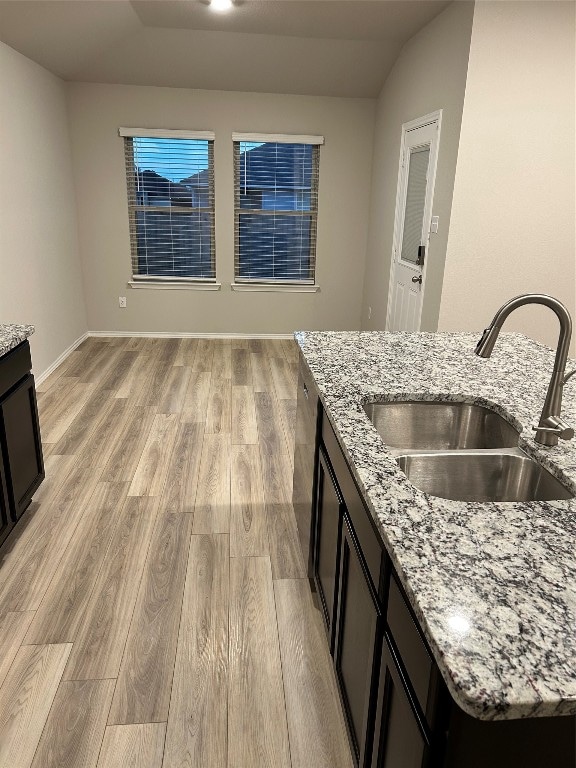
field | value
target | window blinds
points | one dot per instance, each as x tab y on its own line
415	203
276	204
170	181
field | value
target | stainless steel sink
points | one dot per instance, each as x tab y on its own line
482	476
440	426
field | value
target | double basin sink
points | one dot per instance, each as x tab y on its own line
462	451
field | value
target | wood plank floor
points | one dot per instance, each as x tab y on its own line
154	610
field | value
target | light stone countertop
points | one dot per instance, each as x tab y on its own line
493	584
12	335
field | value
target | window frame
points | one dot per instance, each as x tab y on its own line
167	281
304	285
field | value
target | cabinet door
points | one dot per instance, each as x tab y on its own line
327	541
357	645
21	445
304	463
4	508
399	741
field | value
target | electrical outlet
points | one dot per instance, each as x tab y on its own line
369	312
122	301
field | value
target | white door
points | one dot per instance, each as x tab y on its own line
419	152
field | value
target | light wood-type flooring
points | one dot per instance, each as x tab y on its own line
154	609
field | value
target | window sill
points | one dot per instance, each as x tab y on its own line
176	285
275	287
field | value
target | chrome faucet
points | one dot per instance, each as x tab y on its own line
550	427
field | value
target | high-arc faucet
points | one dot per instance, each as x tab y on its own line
550	427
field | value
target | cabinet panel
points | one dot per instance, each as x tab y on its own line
327	541
14	365
21	445
358	636
360	518
400	742
411	648
304	462
5	521
540	742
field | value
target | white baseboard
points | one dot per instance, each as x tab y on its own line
184	335
44	375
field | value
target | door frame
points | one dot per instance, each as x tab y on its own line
401	190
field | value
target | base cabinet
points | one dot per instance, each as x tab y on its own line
358	637
540	742
329	512
20	436
399	741
398	709
6	521
305	452
21	462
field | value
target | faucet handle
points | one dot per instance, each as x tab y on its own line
555	426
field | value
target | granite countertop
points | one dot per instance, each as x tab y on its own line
12	335
493	584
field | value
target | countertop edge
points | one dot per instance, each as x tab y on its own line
13	335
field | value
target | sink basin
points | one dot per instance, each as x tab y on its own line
493	476
440	426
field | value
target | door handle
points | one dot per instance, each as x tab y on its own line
417	279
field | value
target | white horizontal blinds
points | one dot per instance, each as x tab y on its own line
415	202
171	207
276	204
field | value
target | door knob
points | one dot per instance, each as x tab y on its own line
417	279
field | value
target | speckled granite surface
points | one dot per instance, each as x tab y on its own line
12	335
494	585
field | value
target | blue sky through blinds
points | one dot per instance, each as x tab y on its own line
174	159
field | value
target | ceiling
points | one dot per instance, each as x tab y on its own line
316	47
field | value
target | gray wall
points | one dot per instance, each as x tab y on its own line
40	266
430	74
96	112
513	214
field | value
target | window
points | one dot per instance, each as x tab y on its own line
170	180
275	208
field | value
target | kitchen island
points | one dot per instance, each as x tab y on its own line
21	462
491	586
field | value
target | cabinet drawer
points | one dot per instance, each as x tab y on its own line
408	641
365	533
14	366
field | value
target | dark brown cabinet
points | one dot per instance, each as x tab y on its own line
358	636
305	451
21	462
412	699
20	437
329	508
398	739
5	520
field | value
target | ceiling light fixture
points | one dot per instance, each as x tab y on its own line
221	5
